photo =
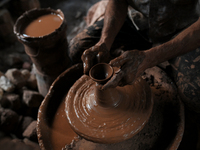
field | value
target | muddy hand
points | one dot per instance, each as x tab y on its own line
93	55
131	66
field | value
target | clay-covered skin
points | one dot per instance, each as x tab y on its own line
160	25
112	25
131	67
43	25
130	109
93	55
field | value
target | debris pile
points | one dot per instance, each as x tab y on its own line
19	103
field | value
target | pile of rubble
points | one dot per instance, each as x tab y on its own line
19	103
19	96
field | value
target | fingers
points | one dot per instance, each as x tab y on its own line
119	61
88	60
103	54
114	81
101	57
117	79
94	55
117	52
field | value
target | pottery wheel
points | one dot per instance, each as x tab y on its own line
108	124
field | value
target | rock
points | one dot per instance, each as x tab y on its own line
9	120
32	98
32	82
32	144
16	77
5	103
14	61
21	90
8	143
27	65
30	111
24	123
11	101
1	93
31	132
26	73
5	83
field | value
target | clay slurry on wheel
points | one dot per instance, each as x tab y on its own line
111	115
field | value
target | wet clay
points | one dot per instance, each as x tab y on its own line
163	130
53	129
43	25
61	132
130	109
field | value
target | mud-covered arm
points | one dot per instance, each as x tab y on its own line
133	63
186	41
116	12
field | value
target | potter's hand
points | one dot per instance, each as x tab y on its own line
131	66
96	54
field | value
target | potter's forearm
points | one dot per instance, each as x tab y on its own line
186	41
116	12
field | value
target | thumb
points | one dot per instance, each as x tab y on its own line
114	81
118	62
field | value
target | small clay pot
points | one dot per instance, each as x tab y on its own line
101	73
49	52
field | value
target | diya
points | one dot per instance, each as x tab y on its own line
78	114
